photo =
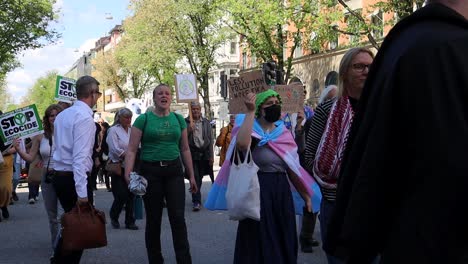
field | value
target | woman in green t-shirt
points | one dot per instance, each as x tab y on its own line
163	138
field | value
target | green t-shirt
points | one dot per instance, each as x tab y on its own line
161	137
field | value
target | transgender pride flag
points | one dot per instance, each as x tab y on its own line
282	143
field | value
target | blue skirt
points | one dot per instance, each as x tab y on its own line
273	239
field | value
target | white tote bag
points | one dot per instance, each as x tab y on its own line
243	189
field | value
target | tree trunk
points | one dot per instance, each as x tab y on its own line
206	95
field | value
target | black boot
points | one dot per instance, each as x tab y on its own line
14	196
307	230
5	212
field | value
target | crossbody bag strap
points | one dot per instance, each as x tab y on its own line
50	152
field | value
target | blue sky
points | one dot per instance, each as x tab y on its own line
81	23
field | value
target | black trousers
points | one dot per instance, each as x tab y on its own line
64	186
122	196
92	179
200	169
165	183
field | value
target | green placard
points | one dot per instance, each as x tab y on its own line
20	123
65	89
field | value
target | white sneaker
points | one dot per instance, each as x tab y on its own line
32	201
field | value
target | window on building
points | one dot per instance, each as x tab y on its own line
332	78
253	61
232	73
377	25
244	60
298	51
295	79
353	27
233	50
315	89
334	41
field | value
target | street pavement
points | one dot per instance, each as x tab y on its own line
25	237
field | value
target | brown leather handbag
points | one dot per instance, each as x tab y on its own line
114	168
83	227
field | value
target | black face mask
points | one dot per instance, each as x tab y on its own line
272	113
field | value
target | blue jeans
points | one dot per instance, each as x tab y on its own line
16	172
326	209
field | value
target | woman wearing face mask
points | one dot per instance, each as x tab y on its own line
272	239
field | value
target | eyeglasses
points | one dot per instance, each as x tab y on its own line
360	67
98	93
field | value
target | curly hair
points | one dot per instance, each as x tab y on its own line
48	127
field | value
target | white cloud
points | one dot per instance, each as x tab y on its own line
58	4
87	45
36	63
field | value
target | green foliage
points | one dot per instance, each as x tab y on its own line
107	71
24	25
42	93
267	26
402	8
182	37
358	25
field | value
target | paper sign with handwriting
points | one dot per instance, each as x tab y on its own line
239	87
292	97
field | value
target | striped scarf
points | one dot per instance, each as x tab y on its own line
327	163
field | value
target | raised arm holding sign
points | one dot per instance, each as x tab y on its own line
20	123
239	87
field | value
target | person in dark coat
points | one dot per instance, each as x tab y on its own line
201	147
402	189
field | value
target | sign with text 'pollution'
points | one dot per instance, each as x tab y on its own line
239	87
20	123
65	89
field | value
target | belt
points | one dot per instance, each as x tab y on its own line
162	163
63	173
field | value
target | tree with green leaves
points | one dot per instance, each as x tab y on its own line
273	30
107	71
359	26
186	33
24	25
112	72
402	8
42	93
156	57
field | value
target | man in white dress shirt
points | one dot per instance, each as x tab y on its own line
74	140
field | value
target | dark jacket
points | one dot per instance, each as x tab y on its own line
206	151
403	186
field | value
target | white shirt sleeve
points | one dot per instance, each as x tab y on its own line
83	142
115	146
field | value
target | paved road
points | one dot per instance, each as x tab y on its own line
24	238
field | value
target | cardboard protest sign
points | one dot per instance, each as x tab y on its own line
20	123
292	97
186	88
65	89
239	87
